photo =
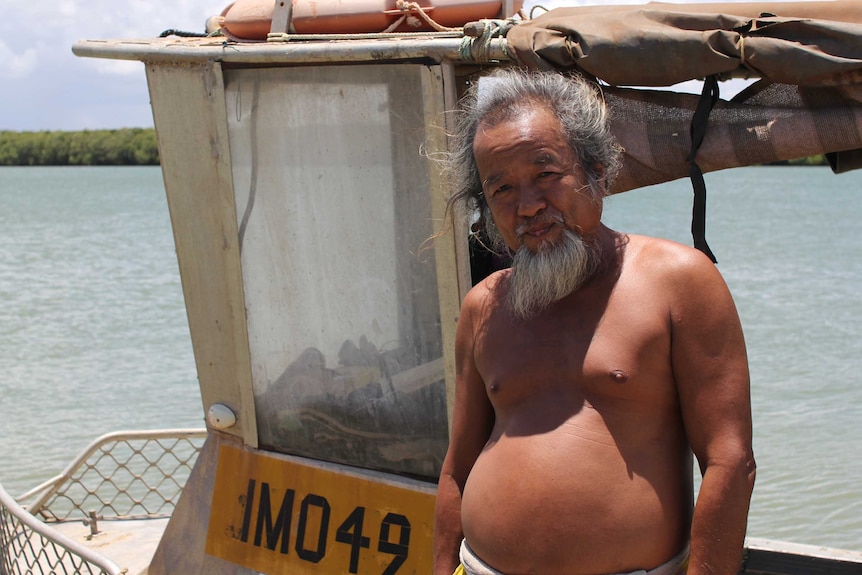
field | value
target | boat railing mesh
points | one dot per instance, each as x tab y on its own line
127	474
28	546
122	475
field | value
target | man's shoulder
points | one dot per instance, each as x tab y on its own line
487	294
681	273
495	285
662	256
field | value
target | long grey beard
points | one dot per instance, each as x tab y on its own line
539	279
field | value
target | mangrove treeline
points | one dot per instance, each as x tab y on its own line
122	147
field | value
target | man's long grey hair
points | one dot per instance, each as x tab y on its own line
507	93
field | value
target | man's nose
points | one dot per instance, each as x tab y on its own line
531	201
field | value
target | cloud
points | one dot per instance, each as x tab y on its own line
15	65
46	87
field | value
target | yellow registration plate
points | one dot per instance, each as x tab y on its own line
278	515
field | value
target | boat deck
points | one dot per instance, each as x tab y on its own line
129	543
130	480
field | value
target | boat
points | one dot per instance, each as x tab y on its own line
303	189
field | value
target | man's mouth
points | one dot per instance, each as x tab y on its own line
538	228
538	231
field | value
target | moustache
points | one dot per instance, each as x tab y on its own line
538	221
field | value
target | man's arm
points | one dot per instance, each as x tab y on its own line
472	421
711	371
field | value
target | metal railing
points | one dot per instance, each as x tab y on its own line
29	546
125	474
121	475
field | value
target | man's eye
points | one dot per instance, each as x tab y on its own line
502	190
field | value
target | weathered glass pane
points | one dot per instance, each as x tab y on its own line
333	207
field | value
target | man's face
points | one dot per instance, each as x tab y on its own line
532	181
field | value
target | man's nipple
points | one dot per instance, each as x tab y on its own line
619	376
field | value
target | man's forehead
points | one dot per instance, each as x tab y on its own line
533	126
513	109
532	141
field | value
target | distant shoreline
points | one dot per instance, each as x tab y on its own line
130	147
120	147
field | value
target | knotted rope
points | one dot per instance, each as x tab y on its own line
414	14
478	36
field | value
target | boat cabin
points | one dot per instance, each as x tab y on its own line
323	273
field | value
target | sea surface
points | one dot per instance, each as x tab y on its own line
94	336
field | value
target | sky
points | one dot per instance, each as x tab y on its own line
46	87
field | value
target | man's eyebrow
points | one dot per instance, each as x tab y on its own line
490	180
543	158
546	157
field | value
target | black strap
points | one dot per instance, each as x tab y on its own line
707	101
182	34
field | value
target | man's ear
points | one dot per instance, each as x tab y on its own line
601	179
599	169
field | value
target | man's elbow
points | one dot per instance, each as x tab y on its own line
751	470
738	465
745	469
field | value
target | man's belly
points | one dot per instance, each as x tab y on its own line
570	501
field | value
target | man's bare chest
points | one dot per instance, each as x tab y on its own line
590	352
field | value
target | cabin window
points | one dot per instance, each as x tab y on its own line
333	210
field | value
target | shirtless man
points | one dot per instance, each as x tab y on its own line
588	373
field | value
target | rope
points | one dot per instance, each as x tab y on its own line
285	37
409	11
478	36
537	7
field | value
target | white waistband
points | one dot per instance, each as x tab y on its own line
473	565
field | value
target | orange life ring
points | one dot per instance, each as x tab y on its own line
252	19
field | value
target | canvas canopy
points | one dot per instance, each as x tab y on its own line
660	44
807	101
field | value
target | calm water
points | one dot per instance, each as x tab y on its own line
93	332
